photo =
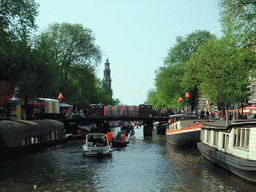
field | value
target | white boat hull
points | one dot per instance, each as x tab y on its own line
183	137
97	151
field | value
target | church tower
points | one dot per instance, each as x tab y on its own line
107	77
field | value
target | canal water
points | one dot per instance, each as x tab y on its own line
147	164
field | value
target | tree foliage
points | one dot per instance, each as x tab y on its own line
17	18
222	71
74	46
169	79
62	58
77	56
21	64
238	18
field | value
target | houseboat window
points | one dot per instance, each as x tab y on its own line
23	142
36	140
202	134
52	135
48	137
57	134
32	140
225	141
243	138
176	126
238	138
235	137
208	136
247	138
215	142
41	138
28	141
60	133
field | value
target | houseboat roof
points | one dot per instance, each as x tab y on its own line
183	116
29	127
221	124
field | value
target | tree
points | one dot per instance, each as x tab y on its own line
17	19
21	64
238	18
151	98
222	71
74	46
169	78
167	84
103	95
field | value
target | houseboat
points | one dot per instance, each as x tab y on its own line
232	146
159	127
183	130
23	135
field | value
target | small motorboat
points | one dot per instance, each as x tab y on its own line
120	140
97	144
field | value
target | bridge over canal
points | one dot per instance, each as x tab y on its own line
100	121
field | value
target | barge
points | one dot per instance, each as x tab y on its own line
232	146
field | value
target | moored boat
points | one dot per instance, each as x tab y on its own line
183	130
231	146
160	127
97	144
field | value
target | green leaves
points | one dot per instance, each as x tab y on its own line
221	70
172	80
238	19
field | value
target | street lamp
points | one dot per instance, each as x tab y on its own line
187	96
60	97
180	99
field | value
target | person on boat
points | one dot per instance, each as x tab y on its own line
127	128
123	137
131	129
92	139
104	139
118	136
110	136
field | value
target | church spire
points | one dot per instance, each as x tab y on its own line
107	77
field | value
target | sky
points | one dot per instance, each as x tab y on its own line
135	35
